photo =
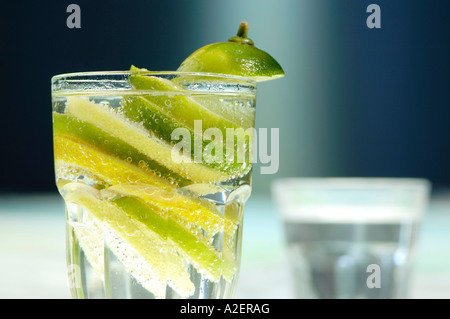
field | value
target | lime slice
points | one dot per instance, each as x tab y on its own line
75	158
238	57
140	109
204	257
198	217
148	256
174	108
130	216
119	126
179	105
100	140
240	112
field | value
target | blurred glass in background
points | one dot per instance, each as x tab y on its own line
352	237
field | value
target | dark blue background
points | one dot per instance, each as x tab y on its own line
391	86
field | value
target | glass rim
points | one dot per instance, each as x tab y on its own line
364	182
166	73
353	200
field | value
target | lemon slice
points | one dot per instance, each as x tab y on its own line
238	57
73	153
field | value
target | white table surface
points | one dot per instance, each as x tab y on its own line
32	250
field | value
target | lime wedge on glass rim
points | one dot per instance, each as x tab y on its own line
238	56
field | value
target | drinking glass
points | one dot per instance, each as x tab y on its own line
351	237
155	169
